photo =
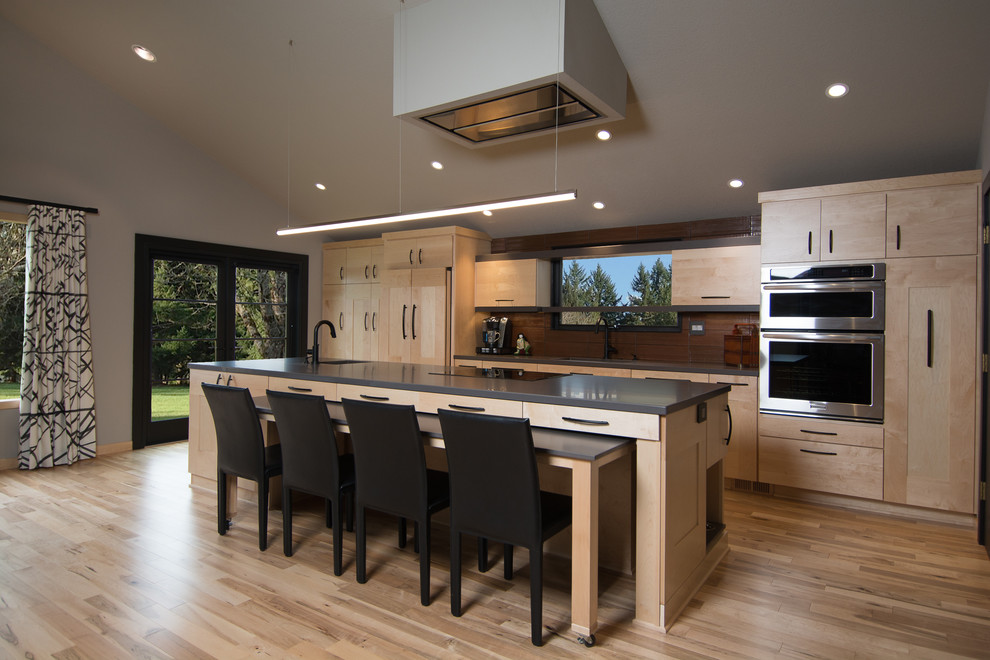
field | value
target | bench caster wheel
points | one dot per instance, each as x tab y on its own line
587	642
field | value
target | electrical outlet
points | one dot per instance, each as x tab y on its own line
702	412
697	328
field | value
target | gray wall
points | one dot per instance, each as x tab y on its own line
65	138
985	138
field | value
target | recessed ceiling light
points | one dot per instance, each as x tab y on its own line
437	165
736	183
320	186
143	53
837	90
599	205
603	135
486	212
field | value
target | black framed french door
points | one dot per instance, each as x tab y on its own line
203	302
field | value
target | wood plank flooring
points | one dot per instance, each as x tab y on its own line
118	558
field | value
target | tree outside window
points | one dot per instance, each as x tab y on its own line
12	264
626	281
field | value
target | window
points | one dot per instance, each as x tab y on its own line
638	283
12	261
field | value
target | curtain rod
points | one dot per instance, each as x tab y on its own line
24	200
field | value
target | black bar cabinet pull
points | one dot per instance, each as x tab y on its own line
219	378
293	388
931	336
830	241
365	272
369	397
374	271
809	242
410	257
340	320
341	272
366	321
715	297
414	322
229	378
467	408
728	438
820	453
589	422
722	382
373	316
818	432
898	237
420	256
404	320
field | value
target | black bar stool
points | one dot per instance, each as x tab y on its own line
241	451
495	494
392	477
311	463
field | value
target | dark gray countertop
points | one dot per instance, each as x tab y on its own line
617	363
657	397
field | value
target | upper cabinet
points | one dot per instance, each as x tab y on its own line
932	215
716	276
512	283
353	262
839	228
932	222
436	251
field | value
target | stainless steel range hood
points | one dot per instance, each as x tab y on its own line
482	72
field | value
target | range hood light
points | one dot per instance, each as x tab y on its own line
531	200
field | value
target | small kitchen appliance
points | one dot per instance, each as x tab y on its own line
496	336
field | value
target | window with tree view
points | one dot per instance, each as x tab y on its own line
12	262
640	283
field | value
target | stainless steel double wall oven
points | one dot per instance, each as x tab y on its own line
821	341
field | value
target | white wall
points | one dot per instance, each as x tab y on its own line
66	138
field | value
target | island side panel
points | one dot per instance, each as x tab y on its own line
670	516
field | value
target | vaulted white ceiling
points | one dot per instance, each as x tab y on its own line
718	89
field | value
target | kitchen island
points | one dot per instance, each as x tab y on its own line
581	423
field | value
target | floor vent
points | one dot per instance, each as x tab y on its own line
749	486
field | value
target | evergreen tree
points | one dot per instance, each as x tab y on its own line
12	263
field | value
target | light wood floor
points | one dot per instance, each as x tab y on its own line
119	558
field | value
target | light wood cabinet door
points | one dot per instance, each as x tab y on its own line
417	327
334	265
716	276
337	310
822	466
853	227
422	252
930	383
932	222
741	454
694	377
790	231
358	269
365	316
377	263
512	283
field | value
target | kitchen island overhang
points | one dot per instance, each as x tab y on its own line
675	426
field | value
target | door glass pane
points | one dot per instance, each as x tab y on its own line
183	330
260	313
11	307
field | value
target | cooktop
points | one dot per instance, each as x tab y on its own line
478	372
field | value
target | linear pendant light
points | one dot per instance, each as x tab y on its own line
531	200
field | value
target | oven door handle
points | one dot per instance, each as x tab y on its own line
843	337
822	286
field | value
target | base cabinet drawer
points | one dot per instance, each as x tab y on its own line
430	402
313	387
822	466
593	420
377	394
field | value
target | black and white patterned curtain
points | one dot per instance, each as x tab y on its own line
58	418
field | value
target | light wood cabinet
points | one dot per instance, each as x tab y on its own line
366	315
364	264
930	382
512	283
337	310
835	228
436	251
416	300
202	431
334	264
716	276
844	458
932	222
741	454
790	231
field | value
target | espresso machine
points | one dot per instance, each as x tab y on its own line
496	336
